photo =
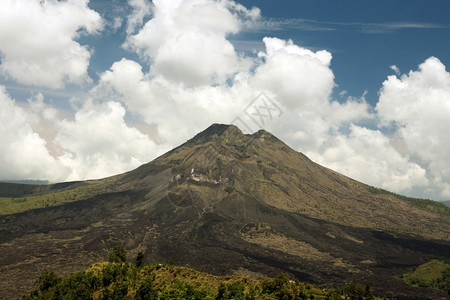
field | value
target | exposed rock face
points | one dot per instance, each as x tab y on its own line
231	202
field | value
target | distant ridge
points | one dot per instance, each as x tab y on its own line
29	181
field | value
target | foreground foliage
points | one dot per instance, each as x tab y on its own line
434	274
121	280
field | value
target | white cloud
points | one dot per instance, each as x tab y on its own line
418	104
299	76
140	10
177	111
395	69
37	144
116	23
186	41
23	153
368	156
99	143
302	81
37	41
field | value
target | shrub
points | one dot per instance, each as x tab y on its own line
139	259
182	290
118	254
47	280
234	290
147	290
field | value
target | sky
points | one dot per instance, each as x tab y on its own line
90	89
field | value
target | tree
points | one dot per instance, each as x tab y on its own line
147	290
234	290
118	254
139	259
47	280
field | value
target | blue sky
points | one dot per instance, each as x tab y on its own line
94	88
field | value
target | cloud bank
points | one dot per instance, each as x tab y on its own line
38	41
196	77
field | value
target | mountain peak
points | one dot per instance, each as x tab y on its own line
216	130
263	134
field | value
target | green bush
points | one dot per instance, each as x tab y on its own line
147	290
139	259
234	290
355	291
279	285
118	254
47	280
182	290
80	285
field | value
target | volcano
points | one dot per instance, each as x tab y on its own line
228	203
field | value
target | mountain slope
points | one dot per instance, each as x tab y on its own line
233	203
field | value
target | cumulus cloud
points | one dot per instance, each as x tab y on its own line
178	112
186	41
99	142
23	153
368	156
37	143
38	41
418	105
301	76
302	81
140	10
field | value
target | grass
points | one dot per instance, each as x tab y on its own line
433	274
46	197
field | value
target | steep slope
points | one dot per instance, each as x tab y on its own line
233	203
260	166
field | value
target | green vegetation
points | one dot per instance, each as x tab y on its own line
161	281
120	280
45	196
118	254
428	204
433	274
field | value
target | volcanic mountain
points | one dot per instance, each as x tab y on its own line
228	203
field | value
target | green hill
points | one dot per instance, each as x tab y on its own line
17	198
433	274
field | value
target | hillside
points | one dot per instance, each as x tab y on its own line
434	274
229	203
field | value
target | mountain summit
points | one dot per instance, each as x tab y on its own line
263	167
230	203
